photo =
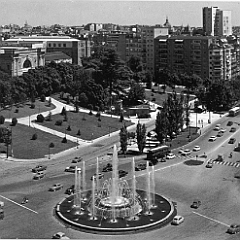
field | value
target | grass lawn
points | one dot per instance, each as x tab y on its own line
90	128
24	147
24	110
160	97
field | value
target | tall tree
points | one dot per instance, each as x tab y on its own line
141	136
161	125
123	139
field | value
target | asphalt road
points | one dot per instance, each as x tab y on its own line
216	188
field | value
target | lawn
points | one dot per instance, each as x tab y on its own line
24	147
25	109
159	96
90	127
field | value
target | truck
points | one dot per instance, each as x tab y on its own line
219	158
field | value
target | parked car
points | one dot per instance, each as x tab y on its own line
234	228
212	138
230	123
70	190
142	166
220	134
177	220
217	128
70	169
162	160
196	204
170	156
77	159
196	148
223	130
232	140
186	152
181	150
39	175
55	187
209	165
233	129
107	168
122	173
60	235
39	168
100	176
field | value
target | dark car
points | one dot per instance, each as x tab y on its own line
39	175
39	168
107	168
77	159
232	140
233	129
196	204
230	123
70	190
234	228
122	173
142	166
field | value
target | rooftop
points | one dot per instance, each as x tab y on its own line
42	39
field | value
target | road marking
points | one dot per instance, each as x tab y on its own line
19	204
214	220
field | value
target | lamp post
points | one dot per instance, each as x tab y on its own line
29	120
12	143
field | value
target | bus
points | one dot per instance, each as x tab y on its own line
234	111
158	152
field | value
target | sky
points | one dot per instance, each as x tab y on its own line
78	12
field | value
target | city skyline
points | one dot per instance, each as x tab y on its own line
75	12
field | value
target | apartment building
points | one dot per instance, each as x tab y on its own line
206	56
217	22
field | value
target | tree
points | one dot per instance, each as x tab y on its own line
123	139
136	92
141	136
161	125
136	65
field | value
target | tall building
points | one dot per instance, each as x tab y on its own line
217	22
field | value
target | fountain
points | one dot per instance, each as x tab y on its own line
115	205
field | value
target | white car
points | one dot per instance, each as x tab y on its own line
177	220
170	156
217	128
223	130
196	148
60	235
212	138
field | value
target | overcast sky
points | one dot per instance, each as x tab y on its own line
78	12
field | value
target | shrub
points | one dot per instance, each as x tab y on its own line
51	145
97	108
49	117
49	102
2	119
90	113
152	94
69	128
79	132
64	140
98	114
43	98
99	119
153	90
68	99
40	118
32	105
90	106
121	118
153	99
63	111
58	123
34	136
14	121
16	110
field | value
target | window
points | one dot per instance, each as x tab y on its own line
59	45
54	45
49	44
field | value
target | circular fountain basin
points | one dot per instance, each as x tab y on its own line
145	219
117	202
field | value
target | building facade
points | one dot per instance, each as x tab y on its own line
217	22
